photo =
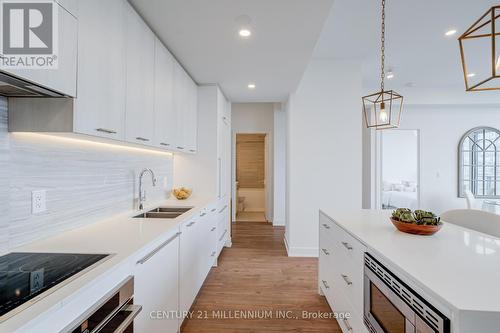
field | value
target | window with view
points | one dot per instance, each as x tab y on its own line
479	158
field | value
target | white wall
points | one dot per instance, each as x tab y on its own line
257	118
441	128
279	165
399	155
85	182
324	154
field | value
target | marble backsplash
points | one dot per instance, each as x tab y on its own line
85	182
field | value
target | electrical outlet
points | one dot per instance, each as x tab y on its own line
38	201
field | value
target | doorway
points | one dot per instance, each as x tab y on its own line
399	172
251	177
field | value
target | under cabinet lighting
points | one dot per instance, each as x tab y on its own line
251	86
450	32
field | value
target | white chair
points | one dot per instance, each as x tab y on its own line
474	219
471	199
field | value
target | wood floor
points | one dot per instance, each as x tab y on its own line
251	217
255	277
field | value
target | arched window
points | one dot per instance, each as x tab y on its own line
479	158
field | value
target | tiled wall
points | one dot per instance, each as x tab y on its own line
85	182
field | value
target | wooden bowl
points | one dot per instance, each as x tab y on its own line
416	229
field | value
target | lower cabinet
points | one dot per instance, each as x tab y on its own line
341	262
156	275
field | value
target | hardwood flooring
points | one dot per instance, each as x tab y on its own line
251	217
255	277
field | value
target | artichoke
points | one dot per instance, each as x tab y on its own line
420	217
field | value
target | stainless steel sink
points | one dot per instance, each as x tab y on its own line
164	213
171	209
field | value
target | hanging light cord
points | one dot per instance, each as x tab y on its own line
382	49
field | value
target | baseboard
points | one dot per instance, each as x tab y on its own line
306	252
279	223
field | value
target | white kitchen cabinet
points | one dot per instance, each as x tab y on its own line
341	262
139	96
189	264
62	79
100	106
186	110
165	115
156	282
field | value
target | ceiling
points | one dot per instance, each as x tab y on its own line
426	64
203	36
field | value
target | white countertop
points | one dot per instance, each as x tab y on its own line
122	236
457	266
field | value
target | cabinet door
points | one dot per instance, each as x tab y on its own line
156	283
165	116
100	106
179	106
191	119
189	268
139	60
62	79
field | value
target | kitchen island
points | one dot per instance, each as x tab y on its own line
456	270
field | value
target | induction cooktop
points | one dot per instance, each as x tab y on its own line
25	276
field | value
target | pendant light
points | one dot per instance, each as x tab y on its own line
480	51
382	110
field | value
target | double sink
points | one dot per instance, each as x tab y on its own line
164	213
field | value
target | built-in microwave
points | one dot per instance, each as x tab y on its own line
391	306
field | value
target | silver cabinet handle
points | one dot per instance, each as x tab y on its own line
213	210
346	279
223	209
347	325
105	130
181	148
325	251
213	254
142	139
192	150
347	246
155	251
164	144
326	284
326	226
191	224
203	214
213	229
224	234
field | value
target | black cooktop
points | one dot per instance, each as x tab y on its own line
24	276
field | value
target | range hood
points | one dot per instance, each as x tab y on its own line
11	86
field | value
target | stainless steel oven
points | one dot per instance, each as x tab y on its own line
390	306
113	313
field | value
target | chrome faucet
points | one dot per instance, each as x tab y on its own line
142	193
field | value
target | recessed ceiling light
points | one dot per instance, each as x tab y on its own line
251	86
390	75
450	32
245	33
471	74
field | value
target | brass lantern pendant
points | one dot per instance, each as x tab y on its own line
382	110
480	53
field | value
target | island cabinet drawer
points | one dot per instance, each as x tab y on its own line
349	319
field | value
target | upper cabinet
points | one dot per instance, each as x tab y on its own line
100	104
186	108
140	62
130	88
62	79
165	115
